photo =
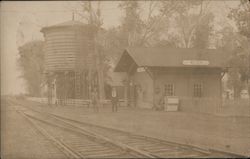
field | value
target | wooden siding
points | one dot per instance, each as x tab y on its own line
66	49
144	89
183	81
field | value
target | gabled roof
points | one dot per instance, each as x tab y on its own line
170	57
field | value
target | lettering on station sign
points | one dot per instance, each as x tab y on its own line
140	69
195	62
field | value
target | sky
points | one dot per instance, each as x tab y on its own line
29	17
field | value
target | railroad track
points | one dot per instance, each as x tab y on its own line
48	150
141	146
145	146
78	143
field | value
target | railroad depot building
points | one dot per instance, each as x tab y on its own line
192	76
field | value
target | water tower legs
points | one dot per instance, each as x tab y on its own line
65	85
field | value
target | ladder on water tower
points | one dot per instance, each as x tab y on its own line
77	85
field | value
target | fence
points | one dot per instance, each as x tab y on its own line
237	107
73	102
37	99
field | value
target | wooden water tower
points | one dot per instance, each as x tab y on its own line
68	58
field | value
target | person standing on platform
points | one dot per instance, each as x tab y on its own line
95	99
114	99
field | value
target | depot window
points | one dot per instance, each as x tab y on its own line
169	89
198	90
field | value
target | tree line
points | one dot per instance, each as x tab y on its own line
178	24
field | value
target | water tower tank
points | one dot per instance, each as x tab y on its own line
67	45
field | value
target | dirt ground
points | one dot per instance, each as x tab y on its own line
230	134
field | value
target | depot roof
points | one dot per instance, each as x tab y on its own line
171	57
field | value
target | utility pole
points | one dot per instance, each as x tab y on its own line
90	57
248	69
97	56
100	58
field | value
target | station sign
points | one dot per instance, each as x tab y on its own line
140	69
195	62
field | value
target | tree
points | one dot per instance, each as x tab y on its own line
113	43
241	15
194	27
131	23
203	32
93	18
31	62
147	31
236	46
237	72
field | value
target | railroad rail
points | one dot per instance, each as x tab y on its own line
147	146
69	152
76	143
48	150
138	144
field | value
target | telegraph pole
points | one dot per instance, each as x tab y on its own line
96	58
90	57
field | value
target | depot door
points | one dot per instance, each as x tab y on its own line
132	95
